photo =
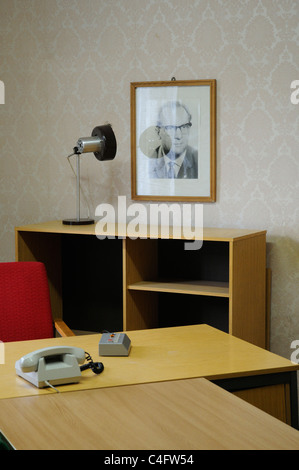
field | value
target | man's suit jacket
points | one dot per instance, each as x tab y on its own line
189	168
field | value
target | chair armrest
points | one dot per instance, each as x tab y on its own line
62	328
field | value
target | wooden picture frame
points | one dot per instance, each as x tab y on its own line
173	124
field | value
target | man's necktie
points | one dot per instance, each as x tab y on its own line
171	173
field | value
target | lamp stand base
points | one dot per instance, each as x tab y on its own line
78	222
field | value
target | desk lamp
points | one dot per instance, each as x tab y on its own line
103	144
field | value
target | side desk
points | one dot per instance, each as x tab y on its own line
120	283
190	414
258	376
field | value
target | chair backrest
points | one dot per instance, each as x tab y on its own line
25	308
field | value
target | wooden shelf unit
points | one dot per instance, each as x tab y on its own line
147	283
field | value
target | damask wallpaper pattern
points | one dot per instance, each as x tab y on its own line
67	67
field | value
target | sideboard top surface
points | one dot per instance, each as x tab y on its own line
125	230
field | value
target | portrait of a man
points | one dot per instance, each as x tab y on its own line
174	157
173	140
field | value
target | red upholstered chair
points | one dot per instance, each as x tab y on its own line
25	309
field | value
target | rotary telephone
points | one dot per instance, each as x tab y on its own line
55	365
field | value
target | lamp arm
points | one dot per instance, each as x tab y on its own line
103	144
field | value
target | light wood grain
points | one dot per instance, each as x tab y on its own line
269	398
214	289
209	233
181	415
156	355
244	313
140	261
248	289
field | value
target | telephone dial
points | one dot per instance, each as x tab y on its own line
55	365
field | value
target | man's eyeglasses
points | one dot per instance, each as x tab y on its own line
183	128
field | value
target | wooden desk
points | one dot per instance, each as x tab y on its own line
184	414
259	376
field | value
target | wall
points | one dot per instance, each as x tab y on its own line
67	66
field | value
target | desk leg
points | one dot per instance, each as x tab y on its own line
275	394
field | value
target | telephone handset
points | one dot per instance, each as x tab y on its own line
29	363
55	365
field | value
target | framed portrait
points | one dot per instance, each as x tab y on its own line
173	140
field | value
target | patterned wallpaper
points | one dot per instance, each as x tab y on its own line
67	67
